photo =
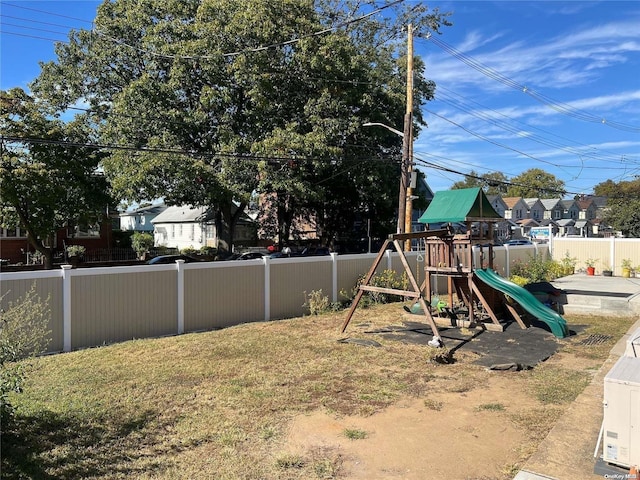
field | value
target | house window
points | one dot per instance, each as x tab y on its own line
84	230
11	233
193	232
173	231
180	230
557	214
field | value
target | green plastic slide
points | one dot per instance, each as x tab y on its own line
527	300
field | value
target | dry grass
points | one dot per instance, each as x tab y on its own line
217	404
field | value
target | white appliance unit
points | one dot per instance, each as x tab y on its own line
633	345
621	424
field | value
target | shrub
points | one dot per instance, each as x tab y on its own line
141	243
316	302
76	250
386	279
208	251
190	250
537	270
518	280
389	279
23	334
567	264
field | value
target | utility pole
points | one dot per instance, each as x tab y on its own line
405	208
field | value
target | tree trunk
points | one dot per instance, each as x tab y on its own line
47	253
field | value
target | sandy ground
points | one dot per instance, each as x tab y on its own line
411	440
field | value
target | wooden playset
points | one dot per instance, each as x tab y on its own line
449	255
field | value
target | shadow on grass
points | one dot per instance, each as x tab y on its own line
48	445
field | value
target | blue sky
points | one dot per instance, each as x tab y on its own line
546	84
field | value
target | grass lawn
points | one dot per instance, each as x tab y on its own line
217	404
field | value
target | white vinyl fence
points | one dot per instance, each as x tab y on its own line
96	306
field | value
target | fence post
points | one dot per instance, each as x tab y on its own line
612	254
180	265
507	261
334	278
66	308
267	288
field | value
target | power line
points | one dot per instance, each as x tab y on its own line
191	153
476	177
458	101
31	28
250	50
3	32
482	137
48	13
4	15
559	107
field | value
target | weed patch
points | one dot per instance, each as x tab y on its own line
354	434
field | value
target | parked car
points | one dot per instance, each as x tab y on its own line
315	251
285	255
247	256
164	259
519	241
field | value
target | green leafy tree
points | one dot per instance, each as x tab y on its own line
535	182
493	183
623	205
48	179
284	122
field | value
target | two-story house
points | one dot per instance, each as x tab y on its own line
570	209
139	220
535	209
516	208
552	209
185	226
502	229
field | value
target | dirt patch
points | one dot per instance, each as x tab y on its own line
454	435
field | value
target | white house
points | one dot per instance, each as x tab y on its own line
195	227
139	220
182	227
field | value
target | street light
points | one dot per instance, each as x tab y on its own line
376	124
405	196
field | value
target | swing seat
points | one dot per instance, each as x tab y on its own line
416	309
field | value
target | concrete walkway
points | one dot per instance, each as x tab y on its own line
568	450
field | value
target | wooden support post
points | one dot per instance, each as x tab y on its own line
470	286
515	314
370	274
415	293
485	304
